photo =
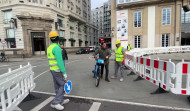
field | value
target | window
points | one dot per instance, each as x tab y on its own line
59	3
185	18
10	33
166	16
80	36
60	21
35	1
137	41
61	33
121	1
7	16
165	40
71	25
137	19
72	35
41	1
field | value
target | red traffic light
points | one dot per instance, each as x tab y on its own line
102	39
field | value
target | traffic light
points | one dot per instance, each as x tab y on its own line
101	39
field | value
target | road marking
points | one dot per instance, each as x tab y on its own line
44	103
120	102
41	74
49	70
4	65
95	106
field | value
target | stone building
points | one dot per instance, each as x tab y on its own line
97	16
25	25
147	23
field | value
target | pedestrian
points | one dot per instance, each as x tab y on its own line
64	54
128	47
58	71
105	54
119	60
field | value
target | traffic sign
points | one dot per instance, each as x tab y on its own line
3	43
68	87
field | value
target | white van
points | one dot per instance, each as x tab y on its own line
92	48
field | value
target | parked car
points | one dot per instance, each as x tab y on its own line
83	51
92	48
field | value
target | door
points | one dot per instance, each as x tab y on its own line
38	43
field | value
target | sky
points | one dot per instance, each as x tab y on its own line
97	3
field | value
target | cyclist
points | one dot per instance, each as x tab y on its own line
3	55
105	54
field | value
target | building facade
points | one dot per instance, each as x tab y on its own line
147	23
107	23
25	24
98	20
185	34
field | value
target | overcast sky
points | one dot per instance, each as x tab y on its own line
97	3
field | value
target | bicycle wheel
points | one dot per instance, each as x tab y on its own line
7	59
97	82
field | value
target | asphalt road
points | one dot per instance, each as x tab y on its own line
113	96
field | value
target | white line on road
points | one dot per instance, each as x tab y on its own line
48	70
44	103
120	102
95	106
41	74
4	65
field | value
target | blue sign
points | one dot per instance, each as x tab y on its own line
68	87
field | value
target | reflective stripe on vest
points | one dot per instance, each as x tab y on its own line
119	54
128	47
52	60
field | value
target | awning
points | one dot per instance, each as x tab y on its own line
62	39
72	40
80	40
10	39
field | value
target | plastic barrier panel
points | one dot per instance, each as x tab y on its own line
182	79
15	86
157	72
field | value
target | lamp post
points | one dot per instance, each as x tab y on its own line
13	23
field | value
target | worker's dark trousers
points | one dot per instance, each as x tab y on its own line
59	83
107	69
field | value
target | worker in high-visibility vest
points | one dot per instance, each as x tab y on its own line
119	60
57	68
128	47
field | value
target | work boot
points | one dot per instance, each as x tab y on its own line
107	80
57	106
101	76
121	79
113	77
65	101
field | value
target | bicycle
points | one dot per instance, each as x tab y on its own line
4	59
97	71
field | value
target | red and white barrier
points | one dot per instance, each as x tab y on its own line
182	79
129	62
146	51
157	72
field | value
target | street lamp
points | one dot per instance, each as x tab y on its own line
13	23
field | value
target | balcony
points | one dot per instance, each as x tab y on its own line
133	3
